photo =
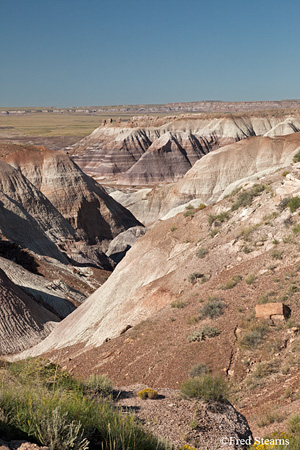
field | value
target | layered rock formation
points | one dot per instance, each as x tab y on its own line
54	223
147	279
95	216
23	323
149	150
213	176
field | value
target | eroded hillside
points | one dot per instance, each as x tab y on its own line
148	150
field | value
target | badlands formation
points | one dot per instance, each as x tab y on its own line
148	150
220	197
55	225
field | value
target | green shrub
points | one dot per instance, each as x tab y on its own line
296	229
294	204
199	370
189	213
294	423
250	278
99	384
213	308
296	157
207	387
173	228
178	304
205	332
57	431
202	252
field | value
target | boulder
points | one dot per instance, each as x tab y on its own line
272	311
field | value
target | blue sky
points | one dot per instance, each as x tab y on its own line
105	52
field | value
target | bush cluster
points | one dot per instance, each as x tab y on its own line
207	387
212	309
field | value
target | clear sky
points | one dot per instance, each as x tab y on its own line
105	52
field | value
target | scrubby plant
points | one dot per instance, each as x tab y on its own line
189	213
218	218
179	304
173	228
205	332
212	309
231	283
250	278
296	157
147	393
247	232
294	204
193	277
277	254
99	384
254	336
207	387
201	253
199	370
296	229
245	198
283	203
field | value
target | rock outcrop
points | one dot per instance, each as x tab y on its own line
119	246
153	150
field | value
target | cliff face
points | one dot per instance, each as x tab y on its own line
150	150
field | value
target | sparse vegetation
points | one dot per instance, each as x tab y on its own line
283	204
251	278
199	370
217	219
277	254
202	252
179	304
173	228
231	283
205	332
99	384
212	309
207	387
296	157
294	204
254	336
193	277
245	198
